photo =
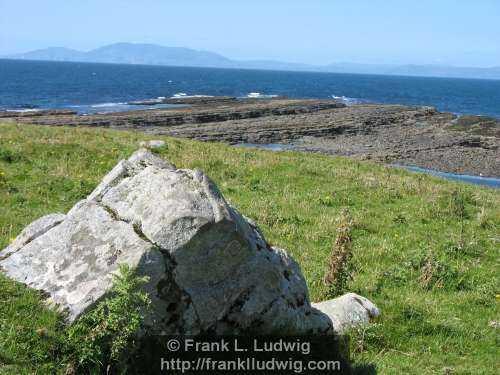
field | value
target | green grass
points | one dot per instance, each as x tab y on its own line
425	250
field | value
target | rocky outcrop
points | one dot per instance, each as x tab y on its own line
191	111
210	269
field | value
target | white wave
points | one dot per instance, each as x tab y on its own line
256	95
184	95
107	105
23	110
346	100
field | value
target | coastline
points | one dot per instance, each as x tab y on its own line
391	134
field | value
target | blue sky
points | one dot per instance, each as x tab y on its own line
458	32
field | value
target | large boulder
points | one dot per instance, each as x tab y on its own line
210	269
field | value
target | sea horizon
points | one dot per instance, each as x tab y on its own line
89	87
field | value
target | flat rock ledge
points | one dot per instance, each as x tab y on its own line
210	269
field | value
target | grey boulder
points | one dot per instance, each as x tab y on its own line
210	269
348	311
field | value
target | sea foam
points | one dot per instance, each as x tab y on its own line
346	100
258	95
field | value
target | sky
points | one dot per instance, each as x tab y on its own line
449	32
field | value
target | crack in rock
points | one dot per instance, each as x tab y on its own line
178	301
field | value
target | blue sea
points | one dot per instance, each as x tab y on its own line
85	87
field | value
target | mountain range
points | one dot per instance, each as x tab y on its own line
152	54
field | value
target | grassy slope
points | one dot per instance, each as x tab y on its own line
409	228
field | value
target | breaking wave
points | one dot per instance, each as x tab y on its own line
184	95
260	96
346	100
107	105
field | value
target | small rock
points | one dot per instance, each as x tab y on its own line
347	311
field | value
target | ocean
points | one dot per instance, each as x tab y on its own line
87	88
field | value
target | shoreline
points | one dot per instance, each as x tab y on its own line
473	180
182	100
391	134
491	182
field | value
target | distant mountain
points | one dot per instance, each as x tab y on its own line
132	53
152	54
51	54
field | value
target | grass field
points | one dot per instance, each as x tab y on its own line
425	250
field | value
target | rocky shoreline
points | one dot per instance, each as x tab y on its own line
393	134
